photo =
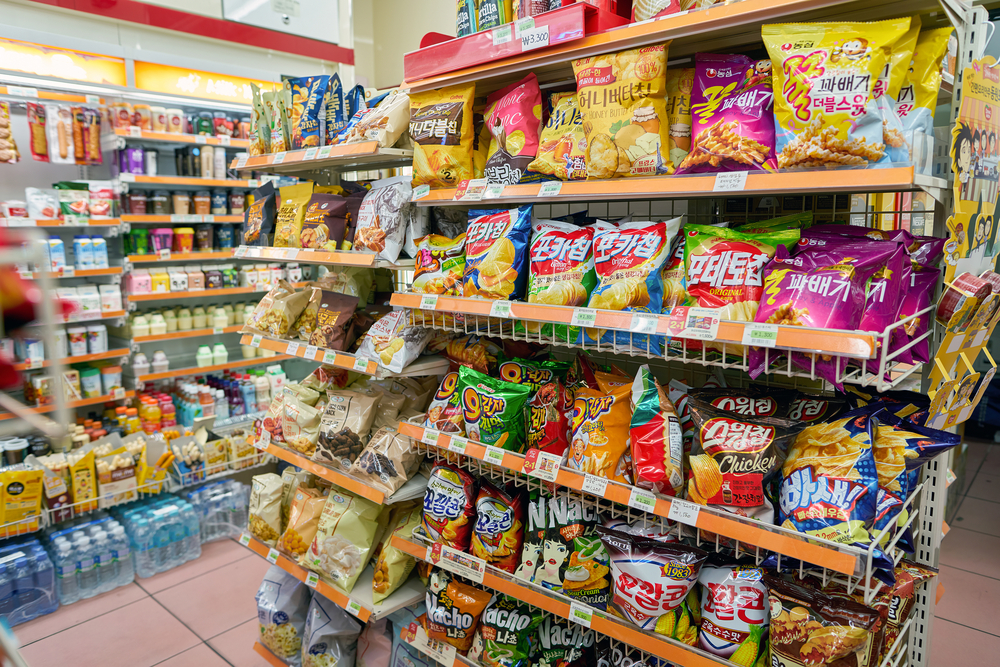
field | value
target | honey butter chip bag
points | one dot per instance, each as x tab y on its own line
449	506
493	410
441	130
308	112
732	113
562	147
506	633
453	610
918	96
499	531
439	265
548	420
622	97
824	74
629	260
383	218
649	578
561	272
680	84
655	437
496	253
808	627
513	119
599	429
445	411
734	610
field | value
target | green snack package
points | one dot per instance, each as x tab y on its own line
504	637
493	409
492	13
801	220
533	374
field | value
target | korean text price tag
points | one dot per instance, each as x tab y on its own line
134	131
641	499
218	331
456	561
324	152
165	253
361	364
644	323
541	465
312	579
420	192
292	348
583	317
500	309
580	614
759	334
242	161
475	190
70	271
245	539
118	394
311	351
550	189
241	251
501	35
310	153
595	485
457	444
430	437
429	302
684	512
536	38
225	140
522	25
272	556
263	441
329	357
255	341
278	158
730	181
493	455
201	139
353	607
494	191
253	183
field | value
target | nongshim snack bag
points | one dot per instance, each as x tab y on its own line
562	148
449	506
496	253
918	96
439	265
494	410
824	74
680	83
441	129
532	373
514	119
899	55
599	429
445	411
622	97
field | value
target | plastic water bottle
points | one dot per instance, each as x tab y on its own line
142	540
126	564
178	537
86	566
103	562
66	584
24	583
192	528
44	575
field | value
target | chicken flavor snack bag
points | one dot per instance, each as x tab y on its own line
441	130
496	253
449	506
499	531
562	147
622	97
599	430
453	610
824	73
493	410
513	119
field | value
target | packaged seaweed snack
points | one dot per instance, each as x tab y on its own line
344	539
496	253
258	221
599	432
441	130
382	220
918	96
562	147
265	508
453	610
331	635
506	633
445	412
450	506
439	265
514	119
655	437
282	606
680	84
493	410
393	566
308	111
734	610
499	529
548	418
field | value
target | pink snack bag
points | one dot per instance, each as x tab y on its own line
514	120
732	115
916	297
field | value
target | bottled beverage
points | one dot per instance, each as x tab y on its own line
192	529
178	537
142	541
122	553
206	397
221	405
161	545
66	574
263	391
104	562
24	583
45	585
86	567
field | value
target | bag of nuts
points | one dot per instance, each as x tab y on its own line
344	427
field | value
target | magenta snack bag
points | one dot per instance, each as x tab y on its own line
927	251
917	296
884	297
823	288
732	115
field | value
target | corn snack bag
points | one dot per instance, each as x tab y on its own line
561	272
496	253
886	91
445	411
731	110
548	420
393	566
303	520
493	409
449	506
514	120
439	265
734	610
562	147
629	260
562	643
441	130
499	530
680	84
622	97
506	633
918	96
453	610
599	430
824	74
465	18
655	437
785	222
308	111
649	578
344	539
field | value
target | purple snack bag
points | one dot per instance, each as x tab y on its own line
917	297
827	230
927	251
732	114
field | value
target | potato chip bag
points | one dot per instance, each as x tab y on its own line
622	97
562	147
337	115
809	408
506	633
449	506
629	260
465	18
493	409
445	411
439	265
655	437
492	13
532	373
785	222
496	253
513	119
548	419
674	291
599	430
824	74
734	610
917	298
918	96
308	110
731	110
441	129
453	610
643	10
499	530
291	213
680	83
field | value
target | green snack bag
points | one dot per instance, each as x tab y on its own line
533	374
492	13
801	220
504	636
493	409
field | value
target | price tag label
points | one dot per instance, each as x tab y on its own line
493	455
683	511
456	561
541	465
595	485
134	132
361	364
253	183
278	158
218	331
69	272
475	190
118	394
550	189
225	140
730	181
165	253
324	152
695	323
439	652
641	499
420	192
312	579
429	302
500	308
253	252
26	275
310	153
501	35
263	441
272	556
200	139
241	251
759	334
950	478
536	38
255	341
353	607
329	357
35	364
126	178
311	351
208	218
292	348
583	317
430	437
457	445
645	323
93	99
245	539
494	191
522	25
241	161
580	614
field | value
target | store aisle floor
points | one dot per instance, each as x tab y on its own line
201	614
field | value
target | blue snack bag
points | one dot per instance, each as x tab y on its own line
496	253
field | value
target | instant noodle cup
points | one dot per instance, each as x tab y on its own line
449	506
441	129
453	610
548	422
439	265
445	411
918	96
493	409
680	84
506	633
824	74
534	374
513	119
655	437
496	246
734	610
499	530
622	97
599	431
562	148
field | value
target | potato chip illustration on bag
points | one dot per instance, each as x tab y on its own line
496	247
441	129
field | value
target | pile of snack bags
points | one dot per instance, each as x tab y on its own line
831	95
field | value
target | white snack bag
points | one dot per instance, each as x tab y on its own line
392	343
282	605
331	635
383	216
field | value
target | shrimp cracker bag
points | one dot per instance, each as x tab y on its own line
499	531
918	96
439	265
562	147
622	97
344	539
680	84
824	74
496	253
513	119
441	129
449	506
599	429
493	410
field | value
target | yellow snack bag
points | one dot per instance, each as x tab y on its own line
441	129
599	429
898	57
680	83
288	228
439	265
622	97
84	481
824	75
21	499
918	96
562	146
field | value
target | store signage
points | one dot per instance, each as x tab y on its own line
42	60
196	83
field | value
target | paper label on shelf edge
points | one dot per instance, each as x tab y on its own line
683	511
240	252
134	131
35	364
578	613
93	99
420	192
694	323
217	331
502	35
278	158
353	607
324	152
253	183
263	441
644	323
550	189
730	181
201	138
292	348
329	357
475	190
542	465
241	161
253	252
583	317
536	38
641	499
595	485
290	253
493	455
494	191
522	25
456	561
361	364
311	351
430	437
272	556
126	178
69	271
225	140
457	444
208	218
760	334
429	302
255	341
310	153
165	253
438	651
500	308
245	539
118	393
312	579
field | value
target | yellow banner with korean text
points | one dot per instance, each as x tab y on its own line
196	83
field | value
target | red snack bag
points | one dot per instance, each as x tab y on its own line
449	506
39	143
445	411
548	422
499	531
514	119
655	434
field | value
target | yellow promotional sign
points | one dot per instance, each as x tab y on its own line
196	83
42	60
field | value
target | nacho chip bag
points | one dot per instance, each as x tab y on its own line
734	610
506	633
622	97
567	518
445	411
439	265
824	74
534	374
599	431
496	253
493	409
534	536
499	531
829	482
918	96
453	610
562	146
465	18
649	578
514	120
449	506
655	437
629	260
548	422
731	113
441	129
308	111
680	84
562	643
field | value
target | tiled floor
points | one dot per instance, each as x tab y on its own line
201	614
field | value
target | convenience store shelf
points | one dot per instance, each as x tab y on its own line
100	356
308	256
215	368
70	272
105	315
58	222
180	257
193	294
177	138
164	219
268	657
191	333
82	403
34	93
153	181
364	155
